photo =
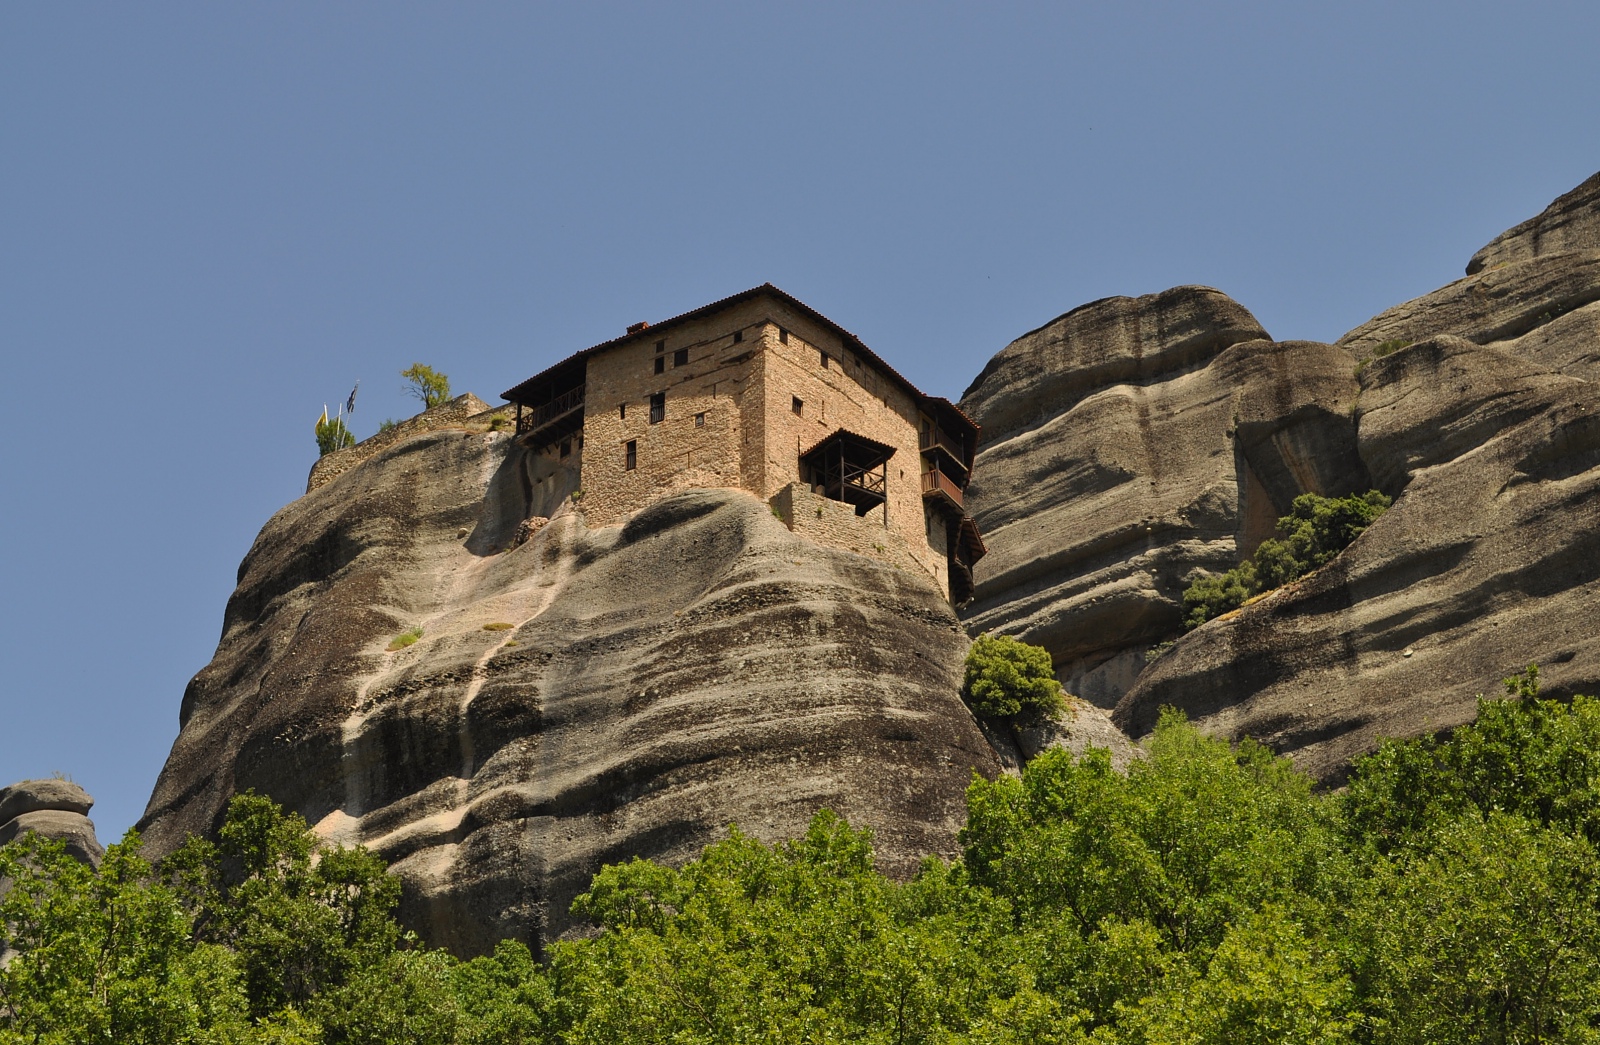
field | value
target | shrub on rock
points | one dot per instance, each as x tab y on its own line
1006	678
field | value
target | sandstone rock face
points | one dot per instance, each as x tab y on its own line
1104	494
55	809
698	666
1489	560
1572	222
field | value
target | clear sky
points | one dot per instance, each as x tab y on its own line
215	218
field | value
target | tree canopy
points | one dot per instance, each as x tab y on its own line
1209	895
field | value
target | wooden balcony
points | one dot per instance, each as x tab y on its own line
548	422
936	441
937	485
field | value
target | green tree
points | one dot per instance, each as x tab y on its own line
1315	530
1006	678
332	434
427	384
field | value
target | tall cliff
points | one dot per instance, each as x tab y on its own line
1134	443
696	667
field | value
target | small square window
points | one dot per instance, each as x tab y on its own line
700	420
797	405
824	360
661	346
631	455
658	408
783	336
738	336
680	357
566	447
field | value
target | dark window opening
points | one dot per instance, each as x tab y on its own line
658	408
661	364
566	447
738	336
783	336
661	346
622	412
632	449
824	360
797	405
700	420
680	357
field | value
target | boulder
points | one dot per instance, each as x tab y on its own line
1572	222
697	667
1081	727
54	809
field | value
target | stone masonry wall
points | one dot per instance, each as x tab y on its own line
837	525
701	442
457	412
846	393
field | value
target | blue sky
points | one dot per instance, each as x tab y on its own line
216	218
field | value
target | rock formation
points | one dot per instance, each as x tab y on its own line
1103	489
1173	441
577	696
55	809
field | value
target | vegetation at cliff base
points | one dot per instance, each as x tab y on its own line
1450	894
426	384
1006	678
1315	530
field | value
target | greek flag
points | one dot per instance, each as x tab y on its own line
350	404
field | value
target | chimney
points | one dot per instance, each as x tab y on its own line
634	328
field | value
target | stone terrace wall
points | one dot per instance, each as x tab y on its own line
836	524
454	414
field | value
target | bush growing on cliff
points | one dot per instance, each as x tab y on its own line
427	384
1315	530
332	434
1006	678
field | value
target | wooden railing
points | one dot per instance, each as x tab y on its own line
938	483
869	479
564	403
938	437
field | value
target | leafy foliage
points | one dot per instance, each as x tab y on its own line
1450	894
1006	678
332	434
427	384
1315	530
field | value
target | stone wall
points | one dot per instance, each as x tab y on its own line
457	413
836	524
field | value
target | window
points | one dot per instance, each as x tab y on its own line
661	346
680	357
797	405
566	447
783	336
700	420
824	360
622	412
658	408
661	364
632	454
738	336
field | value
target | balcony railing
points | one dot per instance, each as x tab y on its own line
938	439
937	484
565	403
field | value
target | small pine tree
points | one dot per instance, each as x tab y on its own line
427	384
333	435
1006	679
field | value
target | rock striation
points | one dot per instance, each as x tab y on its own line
577	695
55	809
1106	486
1178	436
